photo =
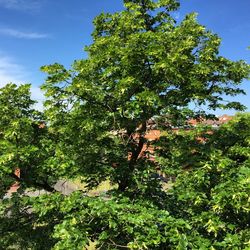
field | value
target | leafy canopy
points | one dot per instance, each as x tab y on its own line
142	67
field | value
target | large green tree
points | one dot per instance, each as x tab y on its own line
26	145
142	66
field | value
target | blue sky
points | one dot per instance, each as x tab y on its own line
38	32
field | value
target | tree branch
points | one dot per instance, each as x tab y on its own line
43	185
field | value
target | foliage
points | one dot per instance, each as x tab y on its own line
25	142
213	192
143	66
20	227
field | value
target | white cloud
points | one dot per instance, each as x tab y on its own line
21	5
21	34
37	95
10	71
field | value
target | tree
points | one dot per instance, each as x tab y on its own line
214	194
25	144
25	140
142	66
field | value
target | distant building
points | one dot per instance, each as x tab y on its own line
214	123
